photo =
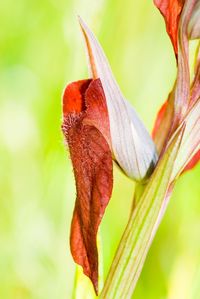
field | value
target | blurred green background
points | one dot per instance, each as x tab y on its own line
41	50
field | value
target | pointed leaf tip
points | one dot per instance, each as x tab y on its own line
91	59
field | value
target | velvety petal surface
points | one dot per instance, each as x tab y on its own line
86	130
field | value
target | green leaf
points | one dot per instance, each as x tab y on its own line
141	228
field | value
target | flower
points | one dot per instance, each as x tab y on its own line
86	129
100	126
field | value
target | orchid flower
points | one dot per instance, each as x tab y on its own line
100	127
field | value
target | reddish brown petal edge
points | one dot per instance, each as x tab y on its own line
86	130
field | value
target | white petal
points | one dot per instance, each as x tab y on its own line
132	145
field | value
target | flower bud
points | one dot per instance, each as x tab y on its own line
132	146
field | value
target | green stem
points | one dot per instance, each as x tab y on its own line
140	230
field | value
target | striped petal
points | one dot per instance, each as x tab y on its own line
194	25
190	144
132	146
182	90
195	90
177	15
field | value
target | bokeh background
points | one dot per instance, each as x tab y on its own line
41	50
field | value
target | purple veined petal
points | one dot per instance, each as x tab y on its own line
132	145
194	24
190	144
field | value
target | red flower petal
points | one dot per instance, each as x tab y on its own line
171	10
192	162
159	118
73	97
163	123
84	127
